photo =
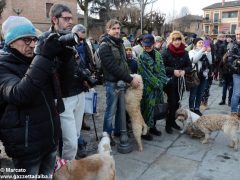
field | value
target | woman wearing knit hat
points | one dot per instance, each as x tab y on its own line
201	58
29	126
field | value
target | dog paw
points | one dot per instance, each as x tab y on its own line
204	141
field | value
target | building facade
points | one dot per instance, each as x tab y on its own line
222	17
36	10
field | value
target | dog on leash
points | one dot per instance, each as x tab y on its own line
98	166
133	98
229	124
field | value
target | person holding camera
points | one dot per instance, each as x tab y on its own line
115	68
30	125
201	58
234	66
71	86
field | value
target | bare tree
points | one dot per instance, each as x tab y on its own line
2	6
83	4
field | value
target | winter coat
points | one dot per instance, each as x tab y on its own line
30	124
67	68
154	79
172	63
113	60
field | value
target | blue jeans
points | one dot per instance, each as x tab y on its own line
112	95
236	93
196	94
227	85
43	164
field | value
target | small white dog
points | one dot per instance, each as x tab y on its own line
186	117
229	124
104	144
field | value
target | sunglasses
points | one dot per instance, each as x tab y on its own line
177	39
66	19
28	40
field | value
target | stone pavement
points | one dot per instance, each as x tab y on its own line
180	157
173	156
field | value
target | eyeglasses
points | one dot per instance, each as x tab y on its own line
28	40
177	39
67	19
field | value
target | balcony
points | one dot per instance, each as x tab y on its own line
216	21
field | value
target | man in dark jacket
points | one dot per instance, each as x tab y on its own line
29	126
234	65
71	83
115	68
220	49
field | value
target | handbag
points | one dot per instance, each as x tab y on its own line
90	102
160	111
191	79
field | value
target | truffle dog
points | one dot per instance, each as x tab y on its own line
229	124
98	166
133	98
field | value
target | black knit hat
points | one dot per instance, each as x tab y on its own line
196	40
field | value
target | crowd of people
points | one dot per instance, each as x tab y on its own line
44	78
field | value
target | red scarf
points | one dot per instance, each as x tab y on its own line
177	51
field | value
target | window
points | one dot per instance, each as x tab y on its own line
233	28
215	29
207	17
207	29
232	14
216	17
48	7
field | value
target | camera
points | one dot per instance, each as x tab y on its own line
236	65
85	74
67	38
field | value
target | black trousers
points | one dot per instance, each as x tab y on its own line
173	102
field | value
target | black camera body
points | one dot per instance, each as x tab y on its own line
67	38
236	65
85	74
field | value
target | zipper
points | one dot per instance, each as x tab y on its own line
26	130
49	110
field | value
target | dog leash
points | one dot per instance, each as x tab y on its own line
181	88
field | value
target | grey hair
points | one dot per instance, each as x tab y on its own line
79	28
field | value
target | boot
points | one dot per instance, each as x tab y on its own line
222	102
198	112
155	131
168	130
147	137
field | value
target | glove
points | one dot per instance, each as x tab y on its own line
51	47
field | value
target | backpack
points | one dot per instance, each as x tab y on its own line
97	58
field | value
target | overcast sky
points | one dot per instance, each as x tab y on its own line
195	6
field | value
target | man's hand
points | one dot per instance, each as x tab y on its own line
135	83
51	47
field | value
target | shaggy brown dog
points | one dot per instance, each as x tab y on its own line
95	167
230	125
133	98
